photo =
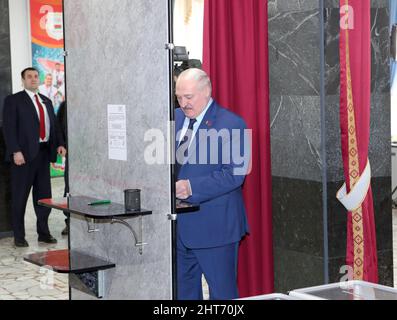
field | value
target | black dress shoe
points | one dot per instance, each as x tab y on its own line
47	239
21	243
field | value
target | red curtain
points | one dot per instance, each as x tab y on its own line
355	109
236	58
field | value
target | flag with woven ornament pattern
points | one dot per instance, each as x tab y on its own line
355	107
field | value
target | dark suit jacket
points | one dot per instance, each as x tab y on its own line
61	118
221	219
21	127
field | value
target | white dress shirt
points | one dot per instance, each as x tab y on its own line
47	118
196	125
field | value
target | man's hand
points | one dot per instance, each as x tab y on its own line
183	189
19	159
62	151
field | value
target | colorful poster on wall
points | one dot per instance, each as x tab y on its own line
46	21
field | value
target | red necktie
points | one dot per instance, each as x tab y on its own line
42	118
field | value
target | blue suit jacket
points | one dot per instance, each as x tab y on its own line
221	219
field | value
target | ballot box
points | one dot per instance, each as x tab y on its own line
273	296
346	290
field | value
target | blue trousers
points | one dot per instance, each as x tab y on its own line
219	266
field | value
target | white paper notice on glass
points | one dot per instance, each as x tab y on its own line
117	132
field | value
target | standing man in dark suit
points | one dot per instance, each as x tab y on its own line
209	171
33	140
62	122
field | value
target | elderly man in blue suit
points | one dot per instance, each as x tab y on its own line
212	159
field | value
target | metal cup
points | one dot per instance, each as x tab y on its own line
132	199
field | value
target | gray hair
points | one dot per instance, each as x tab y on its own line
202	79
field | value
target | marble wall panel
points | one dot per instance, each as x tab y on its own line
298	222
296	137
295	270
380	49
294	53
116	55
5	192
5	89
297	160
5	55
281	6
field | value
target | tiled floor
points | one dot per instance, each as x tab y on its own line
20	280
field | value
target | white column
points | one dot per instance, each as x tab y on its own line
188	26
20	40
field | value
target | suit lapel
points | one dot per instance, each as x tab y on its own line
206	124
31	107
50	111
178	126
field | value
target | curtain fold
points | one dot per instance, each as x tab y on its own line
235	55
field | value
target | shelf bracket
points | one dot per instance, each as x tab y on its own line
91	225
137	236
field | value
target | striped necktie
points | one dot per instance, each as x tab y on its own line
186	140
